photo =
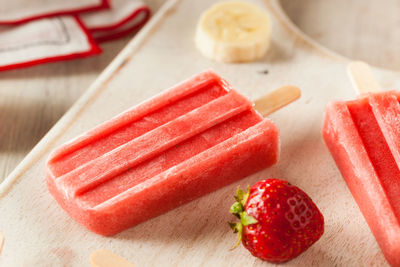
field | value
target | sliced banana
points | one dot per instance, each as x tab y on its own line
233	32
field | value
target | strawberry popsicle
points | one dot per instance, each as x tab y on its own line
181	144
363	137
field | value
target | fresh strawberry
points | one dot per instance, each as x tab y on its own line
278	221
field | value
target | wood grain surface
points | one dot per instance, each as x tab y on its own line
37	232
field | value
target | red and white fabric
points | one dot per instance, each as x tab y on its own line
125	16
39	31
19	11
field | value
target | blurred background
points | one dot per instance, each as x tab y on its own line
366	30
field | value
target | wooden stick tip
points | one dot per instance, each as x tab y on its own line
362	78
277	99
106	258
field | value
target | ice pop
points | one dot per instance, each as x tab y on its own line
363	136
183	143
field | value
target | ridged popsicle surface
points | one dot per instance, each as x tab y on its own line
363	136
188	141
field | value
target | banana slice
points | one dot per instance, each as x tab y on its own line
233	32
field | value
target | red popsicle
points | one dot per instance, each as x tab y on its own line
186	142
363	136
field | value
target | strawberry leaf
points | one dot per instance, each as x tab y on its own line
245	197
237	228
239	195
246	219
236	208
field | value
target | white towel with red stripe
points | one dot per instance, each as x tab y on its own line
39	31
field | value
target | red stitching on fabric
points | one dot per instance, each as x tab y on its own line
105	4
94	49
112	36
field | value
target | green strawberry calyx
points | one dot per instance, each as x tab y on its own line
237	209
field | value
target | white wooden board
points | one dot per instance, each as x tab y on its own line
39	233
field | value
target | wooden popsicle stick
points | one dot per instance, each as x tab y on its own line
362	77
1	242
105	258
277	99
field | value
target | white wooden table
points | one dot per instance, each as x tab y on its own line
37	97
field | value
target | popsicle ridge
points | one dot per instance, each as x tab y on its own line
212	169
207	157
358	136
161	154
148	115
386	109
363	138
378	151
163	162
152	143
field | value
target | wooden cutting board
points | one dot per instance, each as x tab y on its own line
39	233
